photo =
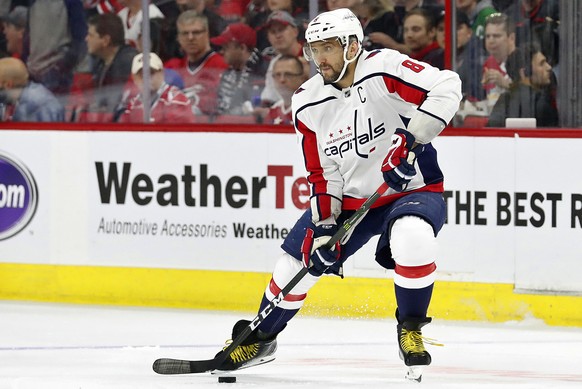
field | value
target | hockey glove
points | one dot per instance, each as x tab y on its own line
316	255
396	169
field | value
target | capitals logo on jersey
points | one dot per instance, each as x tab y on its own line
342	141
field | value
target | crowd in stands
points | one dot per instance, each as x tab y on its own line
241	60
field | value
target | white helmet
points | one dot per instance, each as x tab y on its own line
340	24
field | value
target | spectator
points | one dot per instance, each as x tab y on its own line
172	10
168	103
288	75
477	11
538	21
245	77
171	76
131	15
216	24
113	58
22	100
294	8
54	42
253	9
499	43
530	95
14	27
282	32
201	67
469	59
380	23
401	8
419	36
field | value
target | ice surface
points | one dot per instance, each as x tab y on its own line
88	347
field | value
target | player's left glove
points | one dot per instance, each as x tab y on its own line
315	252
396	169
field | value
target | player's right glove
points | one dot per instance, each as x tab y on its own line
314	251
396	169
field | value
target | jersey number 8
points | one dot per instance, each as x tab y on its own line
415	67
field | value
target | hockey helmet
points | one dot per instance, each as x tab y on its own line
338	24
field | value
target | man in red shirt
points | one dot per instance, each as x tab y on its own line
201	67
168	103
420	37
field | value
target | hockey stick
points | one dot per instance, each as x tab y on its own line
182	366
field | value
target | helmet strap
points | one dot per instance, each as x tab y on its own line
346	60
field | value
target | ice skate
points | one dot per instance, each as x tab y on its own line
257	348
411	346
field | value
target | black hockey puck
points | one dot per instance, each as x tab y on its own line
227	379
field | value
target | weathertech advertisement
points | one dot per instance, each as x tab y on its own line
226	201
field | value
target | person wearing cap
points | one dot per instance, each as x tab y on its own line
201	67
22	100
283	33
296	9
14	27
243	81
168	103
112	67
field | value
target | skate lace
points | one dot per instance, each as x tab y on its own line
242	353
413	341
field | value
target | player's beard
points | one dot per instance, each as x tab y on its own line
330	78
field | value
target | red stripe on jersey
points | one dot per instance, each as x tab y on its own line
290	297
415	271
313	166
408	92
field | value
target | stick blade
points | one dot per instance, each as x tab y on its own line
180	366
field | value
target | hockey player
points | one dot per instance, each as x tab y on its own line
366	117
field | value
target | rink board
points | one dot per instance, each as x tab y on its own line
161	218
242	291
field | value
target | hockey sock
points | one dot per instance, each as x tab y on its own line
413	302
276	321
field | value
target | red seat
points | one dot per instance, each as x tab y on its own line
235	119
475	121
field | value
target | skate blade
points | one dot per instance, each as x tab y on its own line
260	361
414	373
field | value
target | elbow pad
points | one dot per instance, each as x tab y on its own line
425	127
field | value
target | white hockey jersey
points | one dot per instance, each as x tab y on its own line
345	133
